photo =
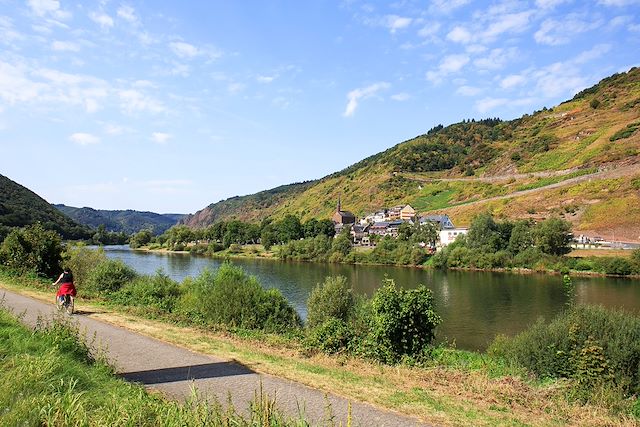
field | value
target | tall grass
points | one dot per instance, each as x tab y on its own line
50	377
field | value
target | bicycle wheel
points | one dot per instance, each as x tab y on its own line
68	306
59	304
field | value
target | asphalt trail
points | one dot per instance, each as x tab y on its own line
174	371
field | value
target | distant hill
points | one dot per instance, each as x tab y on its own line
20	206
460	169
128	221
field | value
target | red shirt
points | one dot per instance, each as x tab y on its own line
66	289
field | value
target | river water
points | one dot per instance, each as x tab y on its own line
474	306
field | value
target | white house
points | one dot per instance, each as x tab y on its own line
449	235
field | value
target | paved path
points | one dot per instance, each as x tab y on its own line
174	370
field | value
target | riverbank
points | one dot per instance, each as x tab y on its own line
456	388
256	251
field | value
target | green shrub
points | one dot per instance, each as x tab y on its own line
109	276
332	299
528	258
233	298
33	249
402	323
332	336
584	265
157	291
82	260
614	265
589	344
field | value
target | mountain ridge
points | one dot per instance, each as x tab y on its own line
597	127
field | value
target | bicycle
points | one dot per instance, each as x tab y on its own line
65	303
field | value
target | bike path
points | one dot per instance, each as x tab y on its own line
175	370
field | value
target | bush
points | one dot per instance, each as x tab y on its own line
614	265
528	258
332	299
109	276
33	249
157	291
82	260
231	297
402	323
332	336
589	344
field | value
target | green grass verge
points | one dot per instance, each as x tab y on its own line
49	377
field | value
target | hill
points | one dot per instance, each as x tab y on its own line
461	169
20	206
127	221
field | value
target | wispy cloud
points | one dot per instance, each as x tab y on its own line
448	65
127	13
556	32
160	137
133	101
48	8
102	19
65	46
82	138
356	95
184	50
446	6
468	90
395	22
402	96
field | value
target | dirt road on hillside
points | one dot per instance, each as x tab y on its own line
174	370
603	174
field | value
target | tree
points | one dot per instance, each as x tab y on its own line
521	237
33	249
289	228
553	236
141	238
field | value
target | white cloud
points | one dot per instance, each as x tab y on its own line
497	58
448	65
81	138
395	23
487	104
102	19
619	3
62	46
459	35
553	32
446	6
356	95
265	79
127	13
133	101
160	137
113	129
45	8
512	80
429	30
550	4
468	90
507	23
634	27
184	50
402	96
7	33
16	86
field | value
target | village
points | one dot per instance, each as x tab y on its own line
387	221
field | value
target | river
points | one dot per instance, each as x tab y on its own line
474	306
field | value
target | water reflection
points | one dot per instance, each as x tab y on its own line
475	306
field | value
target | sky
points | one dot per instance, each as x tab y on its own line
168	106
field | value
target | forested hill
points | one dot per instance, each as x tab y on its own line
127	221
20	206
460	169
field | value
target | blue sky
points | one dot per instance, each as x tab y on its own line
169	106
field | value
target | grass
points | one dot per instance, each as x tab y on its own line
49	377
457	388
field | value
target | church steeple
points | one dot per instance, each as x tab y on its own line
338	205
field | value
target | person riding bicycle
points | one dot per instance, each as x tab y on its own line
66	285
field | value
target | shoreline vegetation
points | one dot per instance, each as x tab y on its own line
511	270
490	245
580	368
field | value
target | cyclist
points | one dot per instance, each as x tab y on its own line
66	285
